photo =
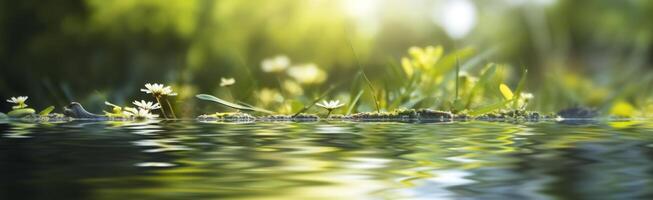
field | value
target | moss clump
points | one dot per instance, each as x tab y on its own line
428	114
229	116
513	115
462	117
339	117
404	114
306	117
578	113
49	117
300	117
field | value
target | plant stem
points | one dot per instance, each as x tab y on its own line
161	108
457	77
171	110
328	113
367	80
306	107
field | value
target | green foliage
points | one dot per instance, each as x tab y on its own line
506	92
46	111
21	112
520	86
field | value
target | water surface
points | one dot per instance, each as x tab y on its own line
326	160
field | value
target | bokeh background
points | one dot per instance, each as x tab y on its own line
578	53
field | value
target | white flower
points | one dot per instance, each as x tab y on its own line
158	90
526	95
275	64
18	100
330	105
147	105
226	82
140	113
307	74
524	98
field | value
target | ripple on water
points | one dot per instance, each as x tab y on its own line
373	160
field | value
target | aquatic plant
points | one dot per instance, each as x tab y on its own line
20	110
141	113
116	111
18	100
330	105
147	105
160	91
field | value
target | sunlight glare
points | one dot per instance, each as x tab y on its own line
457	17
360	8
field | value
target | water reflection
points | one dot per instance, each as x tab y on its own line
384	160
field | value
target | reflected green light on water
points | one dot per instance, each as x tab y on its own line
325	160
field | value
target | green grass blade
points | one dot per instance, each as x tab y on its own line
208	97
485	77
520	86
354	101
367	80
457	78
324	94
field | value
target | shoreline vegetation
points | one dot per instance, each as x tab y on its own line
429	85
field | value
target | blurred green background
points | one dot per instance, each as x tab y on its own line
578	53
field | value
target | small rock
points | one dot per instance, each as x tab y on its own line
428	114
75	110
238	116
578	113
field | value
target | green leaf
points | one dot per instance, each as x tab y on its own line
208	97
46	111
520	86
485	77
22	112
3	116
506	92
448	62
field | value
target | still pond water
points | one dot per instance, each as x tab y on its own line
326	160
